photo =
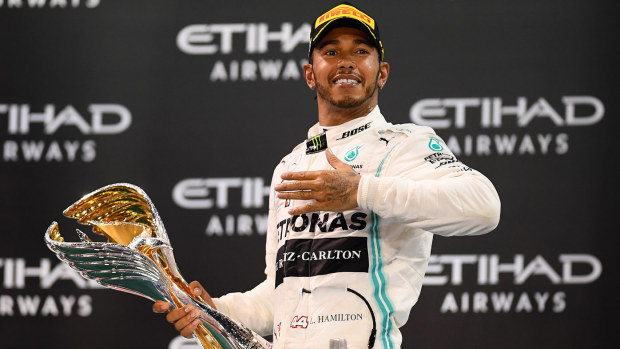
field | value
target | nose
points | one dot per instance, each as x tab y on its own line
347	61
347	65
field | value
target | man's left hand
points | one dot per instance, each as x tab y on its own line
331	190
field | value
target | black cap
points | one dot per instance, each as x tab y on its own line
345	15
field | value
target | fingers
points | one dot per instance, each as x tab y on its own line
335	162
312	207
185	320
301	191
161	307
188	331
188	321
301	175
177	314
299	185
329	189
199	291
311	180
197	288
298	195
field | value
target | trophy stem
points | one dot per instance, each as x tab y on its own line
201	334
205	338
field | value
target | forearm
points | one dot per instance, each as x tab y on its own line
253	308
460	205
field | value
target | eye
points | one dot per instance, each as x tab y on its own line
330	52
362	51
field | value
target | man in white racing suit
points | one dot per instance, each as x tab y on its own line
353	209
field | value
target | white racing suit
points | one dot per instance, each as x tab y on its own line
356	274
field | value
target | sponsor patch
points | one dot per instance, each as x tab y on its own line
441	159
434	145
316	144
311	257
354	131
352	154
345	11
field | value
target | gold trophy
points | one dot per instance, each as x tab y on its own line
138	259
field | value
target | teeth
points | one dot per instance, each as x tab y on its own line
346	81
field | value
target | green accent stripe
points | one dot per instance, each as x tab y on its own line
377	275
378	279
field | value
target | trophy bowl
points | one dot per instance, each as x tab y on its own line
137	258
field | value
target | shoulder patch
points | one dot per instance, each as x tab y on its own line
434	144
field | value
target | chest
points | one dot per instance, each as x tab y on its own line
365	155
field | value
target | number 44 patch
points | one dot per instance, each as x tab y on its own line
299	322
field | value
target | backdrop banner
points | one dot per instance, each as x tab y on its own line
197	101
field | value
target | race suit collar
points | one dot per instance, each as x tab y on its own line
339	133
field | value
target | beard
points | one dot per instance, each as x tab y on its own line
347	101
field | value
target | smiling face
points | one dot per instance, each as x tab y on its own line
346	70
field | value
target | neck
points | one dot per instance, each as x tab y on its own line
331	115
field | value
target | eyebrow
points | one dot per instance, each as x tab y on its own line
335	42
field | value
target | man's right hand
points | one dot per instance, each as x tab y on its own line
185	319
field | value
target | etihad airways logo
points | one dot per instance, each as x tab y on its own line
49	3
480	279
496	112
481	115
24	120
24	289
211	39
247	195
223	39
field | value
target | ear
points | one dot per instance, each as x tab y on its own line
384	72
309	76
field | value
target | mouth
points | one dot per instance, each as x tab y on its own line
346	80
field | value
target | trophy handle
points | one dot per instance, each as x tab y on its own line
209	336
202	335
214	330
204	338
